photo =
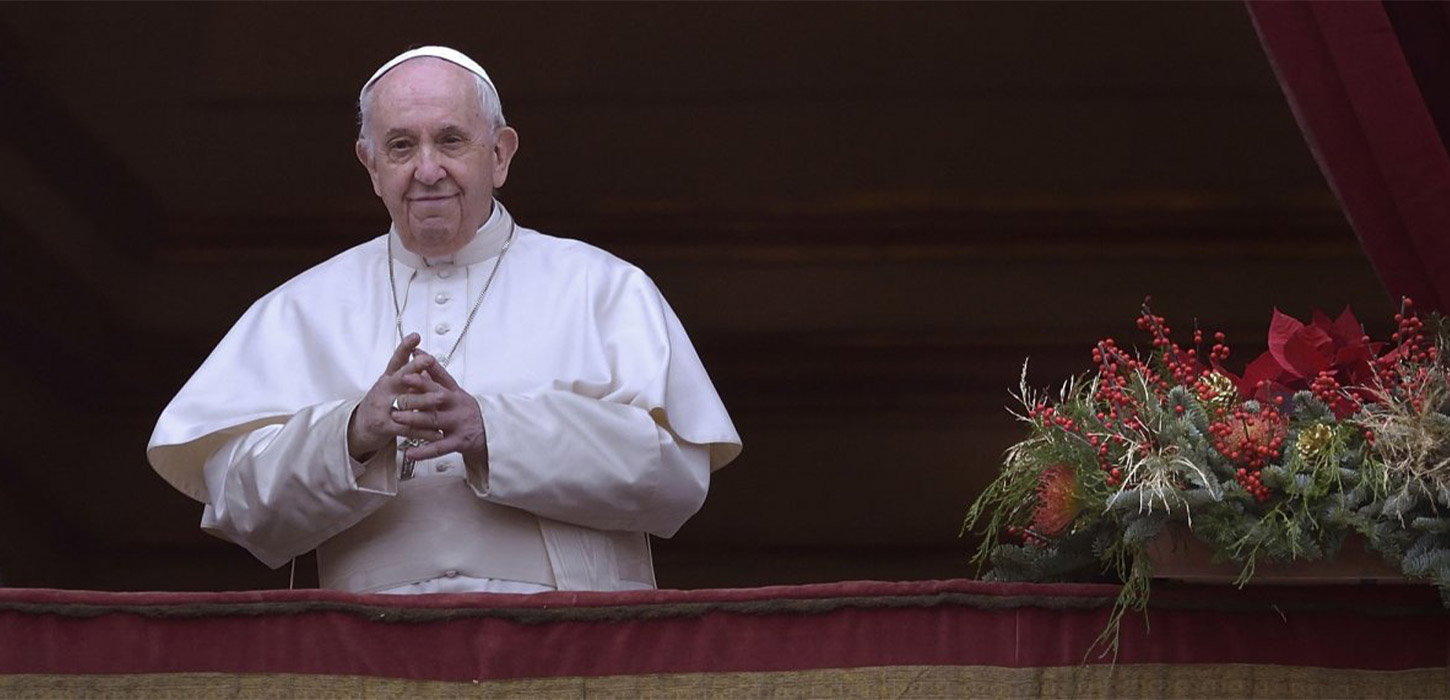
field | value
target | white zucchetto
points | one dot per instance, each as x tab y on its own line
453	56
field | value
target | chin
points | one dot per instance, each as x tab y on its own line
433	243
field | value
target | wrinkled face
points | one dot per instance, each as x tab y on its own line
432	156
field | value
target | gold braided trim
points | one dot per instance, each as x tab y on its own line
1125	681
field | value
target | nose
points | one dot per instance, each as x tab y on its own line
429	171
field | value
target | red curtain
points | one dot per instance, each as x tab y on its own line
1369	83
857	624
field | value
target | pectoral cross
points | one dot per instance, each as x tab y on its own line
409	465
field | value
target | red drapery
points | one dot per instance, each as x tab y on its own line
851	624
1369	83
873	639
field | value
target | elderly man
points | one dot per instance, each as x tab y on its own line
461	404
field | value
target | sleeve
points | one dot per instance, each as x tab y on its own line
589	462
628	444
282	489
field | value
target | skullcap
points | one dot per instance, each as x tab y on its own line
453	56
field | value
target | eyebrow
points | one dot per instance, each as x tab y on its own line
396	132
446	128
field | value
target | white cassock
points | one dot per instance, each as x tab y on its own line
602	424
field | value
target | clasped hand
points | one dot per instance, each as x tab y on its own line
416	398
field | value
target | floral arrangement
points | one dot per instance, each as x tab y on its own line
1325	434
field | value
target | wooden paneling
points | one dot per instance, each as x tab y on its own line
868	216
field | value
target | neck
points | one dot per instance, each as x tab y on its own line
483	245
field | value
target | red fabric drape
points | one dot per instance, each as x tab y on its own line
786	628
1349	70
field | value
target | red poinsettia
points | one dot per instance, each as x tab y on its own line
1301	354
1057	501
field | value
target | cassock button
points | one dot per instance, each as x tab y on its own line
450	573
442	298
442	329
445	274
442	467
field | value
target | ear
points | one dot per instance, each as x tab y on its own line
367	162
505	145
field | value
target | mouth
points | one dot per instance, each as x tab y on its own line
432	197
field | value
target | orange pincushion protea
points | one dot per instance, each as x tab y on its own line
1057	501
1251	439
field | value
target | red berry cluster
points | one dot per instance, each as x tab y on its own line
1220	350
1410	347
1326	388
1409	333
1252	441
1251	483
1114	369
1208	394
1118	407
1182	365
1049	415
1405	371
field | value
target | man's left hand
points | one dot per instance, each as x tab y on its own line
441	412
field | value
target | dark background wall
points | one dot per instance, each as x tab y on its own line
867	215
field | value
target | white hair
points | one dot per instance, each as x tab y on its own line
488	103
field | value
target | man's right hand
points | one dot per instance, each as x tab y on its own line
371	427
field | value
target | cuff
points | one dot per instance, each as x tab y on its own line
379	474
475	469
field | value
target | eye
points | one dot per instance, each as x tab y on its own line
400	146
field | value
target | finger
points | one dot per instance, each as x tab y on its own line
441	375
406	401
403	352
436	447
428	381
417	365
372	427
414	398
429	436
424	384
421	384
435	369
421	419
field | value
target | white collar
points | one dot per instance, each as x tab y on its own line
486	243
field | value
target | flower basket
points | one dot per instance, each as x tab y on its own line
1327	459
1176	555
